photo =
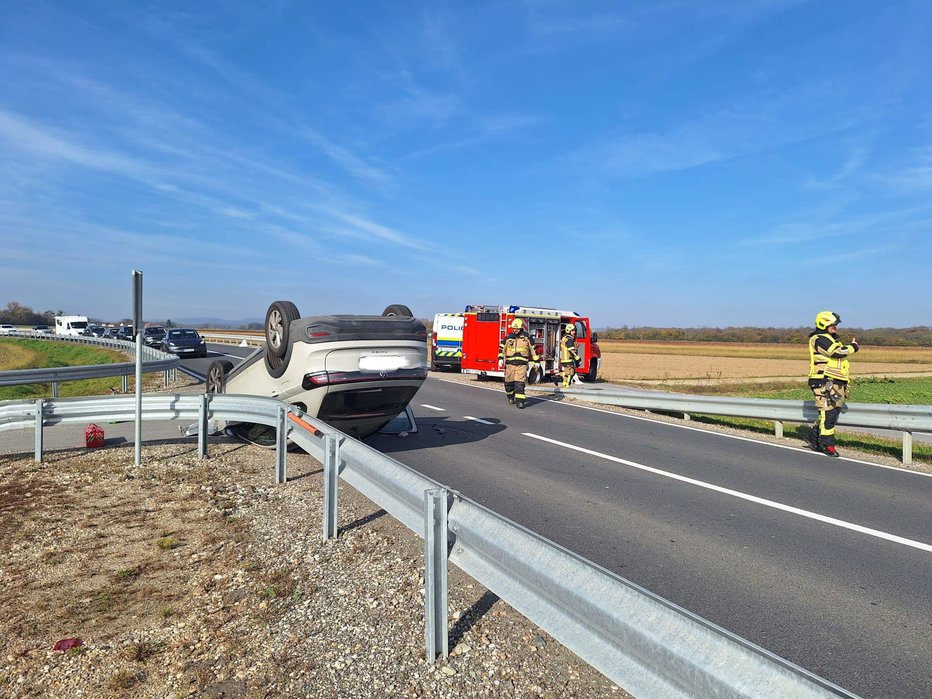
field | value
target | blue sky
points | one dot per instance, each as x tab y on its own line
663	163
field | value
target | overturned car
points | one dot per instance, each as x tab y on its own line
354	372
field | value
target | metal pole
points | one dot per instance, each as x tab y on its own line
435	574
907	448
331	484
137	326
202	416
55	389
281	446
40	409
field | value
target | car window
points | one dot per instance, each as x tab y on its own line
182	333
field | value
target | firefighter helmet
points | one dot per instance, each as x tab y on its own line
570	328
826	318
517	324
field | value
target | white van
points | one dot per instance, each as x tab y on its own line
70	325
446	341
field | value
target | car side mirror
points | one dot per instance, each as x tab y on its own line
595	337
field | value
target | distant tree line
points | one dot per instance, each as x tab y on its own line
920	336
17	314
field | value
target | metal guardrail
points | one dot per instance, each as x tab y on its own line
903	418
644	643
152	360
251	340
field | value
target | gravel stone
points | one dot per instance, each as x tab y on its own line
202	578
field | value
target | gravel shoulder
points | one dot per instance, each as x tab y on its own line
187	577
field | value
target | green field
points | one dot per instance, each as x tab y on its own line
909	391
37	354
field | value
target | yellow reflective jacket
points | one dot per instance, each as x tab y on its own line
828	358
517	348
568	351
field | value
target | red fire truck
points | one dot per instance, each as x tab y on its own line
486	326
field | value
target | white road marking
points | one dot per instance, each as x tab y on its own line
568	404
484	422
744	496
433	407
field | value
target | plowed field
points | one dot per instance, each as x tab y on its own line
707	362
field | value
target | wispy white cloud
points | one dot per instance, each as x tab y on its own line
24	135
348	160
915	176
749	124
852	164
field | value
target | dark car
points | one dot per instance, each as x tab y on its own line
42	329
94	331
185	342
153	335
122	333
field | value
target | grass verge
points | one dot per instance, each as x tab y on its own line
889	390
18	353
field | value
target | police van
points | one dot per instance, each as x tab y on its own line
446	341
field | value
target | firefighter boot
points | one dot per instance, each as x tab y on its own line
521	404
829	450
511	400
812	438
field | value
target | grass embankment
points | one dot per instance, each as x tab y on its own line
16	353
906	391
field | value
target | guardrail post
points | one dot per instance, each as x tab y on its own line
125	383
40	410
281	446
55	389
435	573
777	428
907	448
165	378
202	414
686	416
331	484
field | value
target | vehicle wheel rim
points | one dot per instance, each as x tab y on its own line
275	329
214	379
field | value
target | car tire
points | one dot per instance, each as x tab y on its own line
533	376
277	324
397	309
217	375
590	376
276	366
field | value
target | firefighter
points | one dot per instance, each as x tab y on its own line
828	378
517	351
569	355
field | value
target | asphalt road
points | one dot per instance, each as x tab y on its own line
826	562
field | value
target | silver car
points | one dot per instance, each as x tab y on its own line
354	372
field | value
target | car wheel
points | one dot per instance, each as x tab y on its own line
397	309
277	323
217	375
276	365
533	376
593	371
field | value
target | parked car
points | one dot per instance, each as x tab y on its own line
42	329
6	328
185	342
153	335
355	372
94	331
